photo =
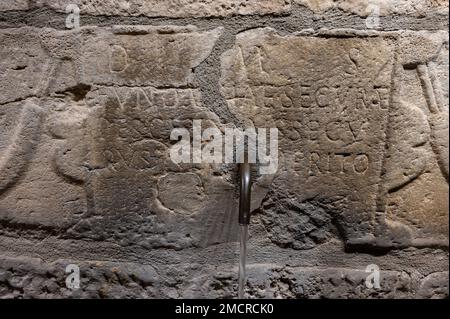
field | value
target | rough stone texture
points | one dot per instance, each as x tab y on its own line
85	123
379	7
36	279
160	8
96	138
225	8
40	62
355	147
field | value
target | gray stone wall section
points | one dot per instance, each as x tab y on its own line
72	190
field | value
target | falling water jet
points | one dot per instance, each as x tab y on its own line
242	259
244	221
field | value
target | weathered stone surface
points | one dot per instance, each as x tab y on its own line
23	65
133	182
175	8
434	286
32	278
37	62
101	135
28	174
86	178
362	137
225	8
106	162
14	5
379	7
161	57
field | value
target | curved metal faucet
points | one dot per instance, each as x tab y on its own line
244	221
245	193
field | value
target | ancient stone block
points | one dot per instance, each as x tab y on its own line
379	7
355	140
22	277
23	65
175	8
22	140
34	191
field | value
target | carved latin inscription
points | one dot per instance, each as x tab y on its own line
347	136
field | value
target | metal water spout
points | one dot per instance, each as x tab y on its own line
245	194
244	221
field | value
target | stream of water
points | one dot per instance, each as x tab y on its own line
242	259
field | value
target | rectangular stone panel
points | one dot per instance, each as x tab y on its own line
352	138
134	56
82	127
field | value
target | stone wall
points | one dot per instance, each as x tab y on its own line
358	90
